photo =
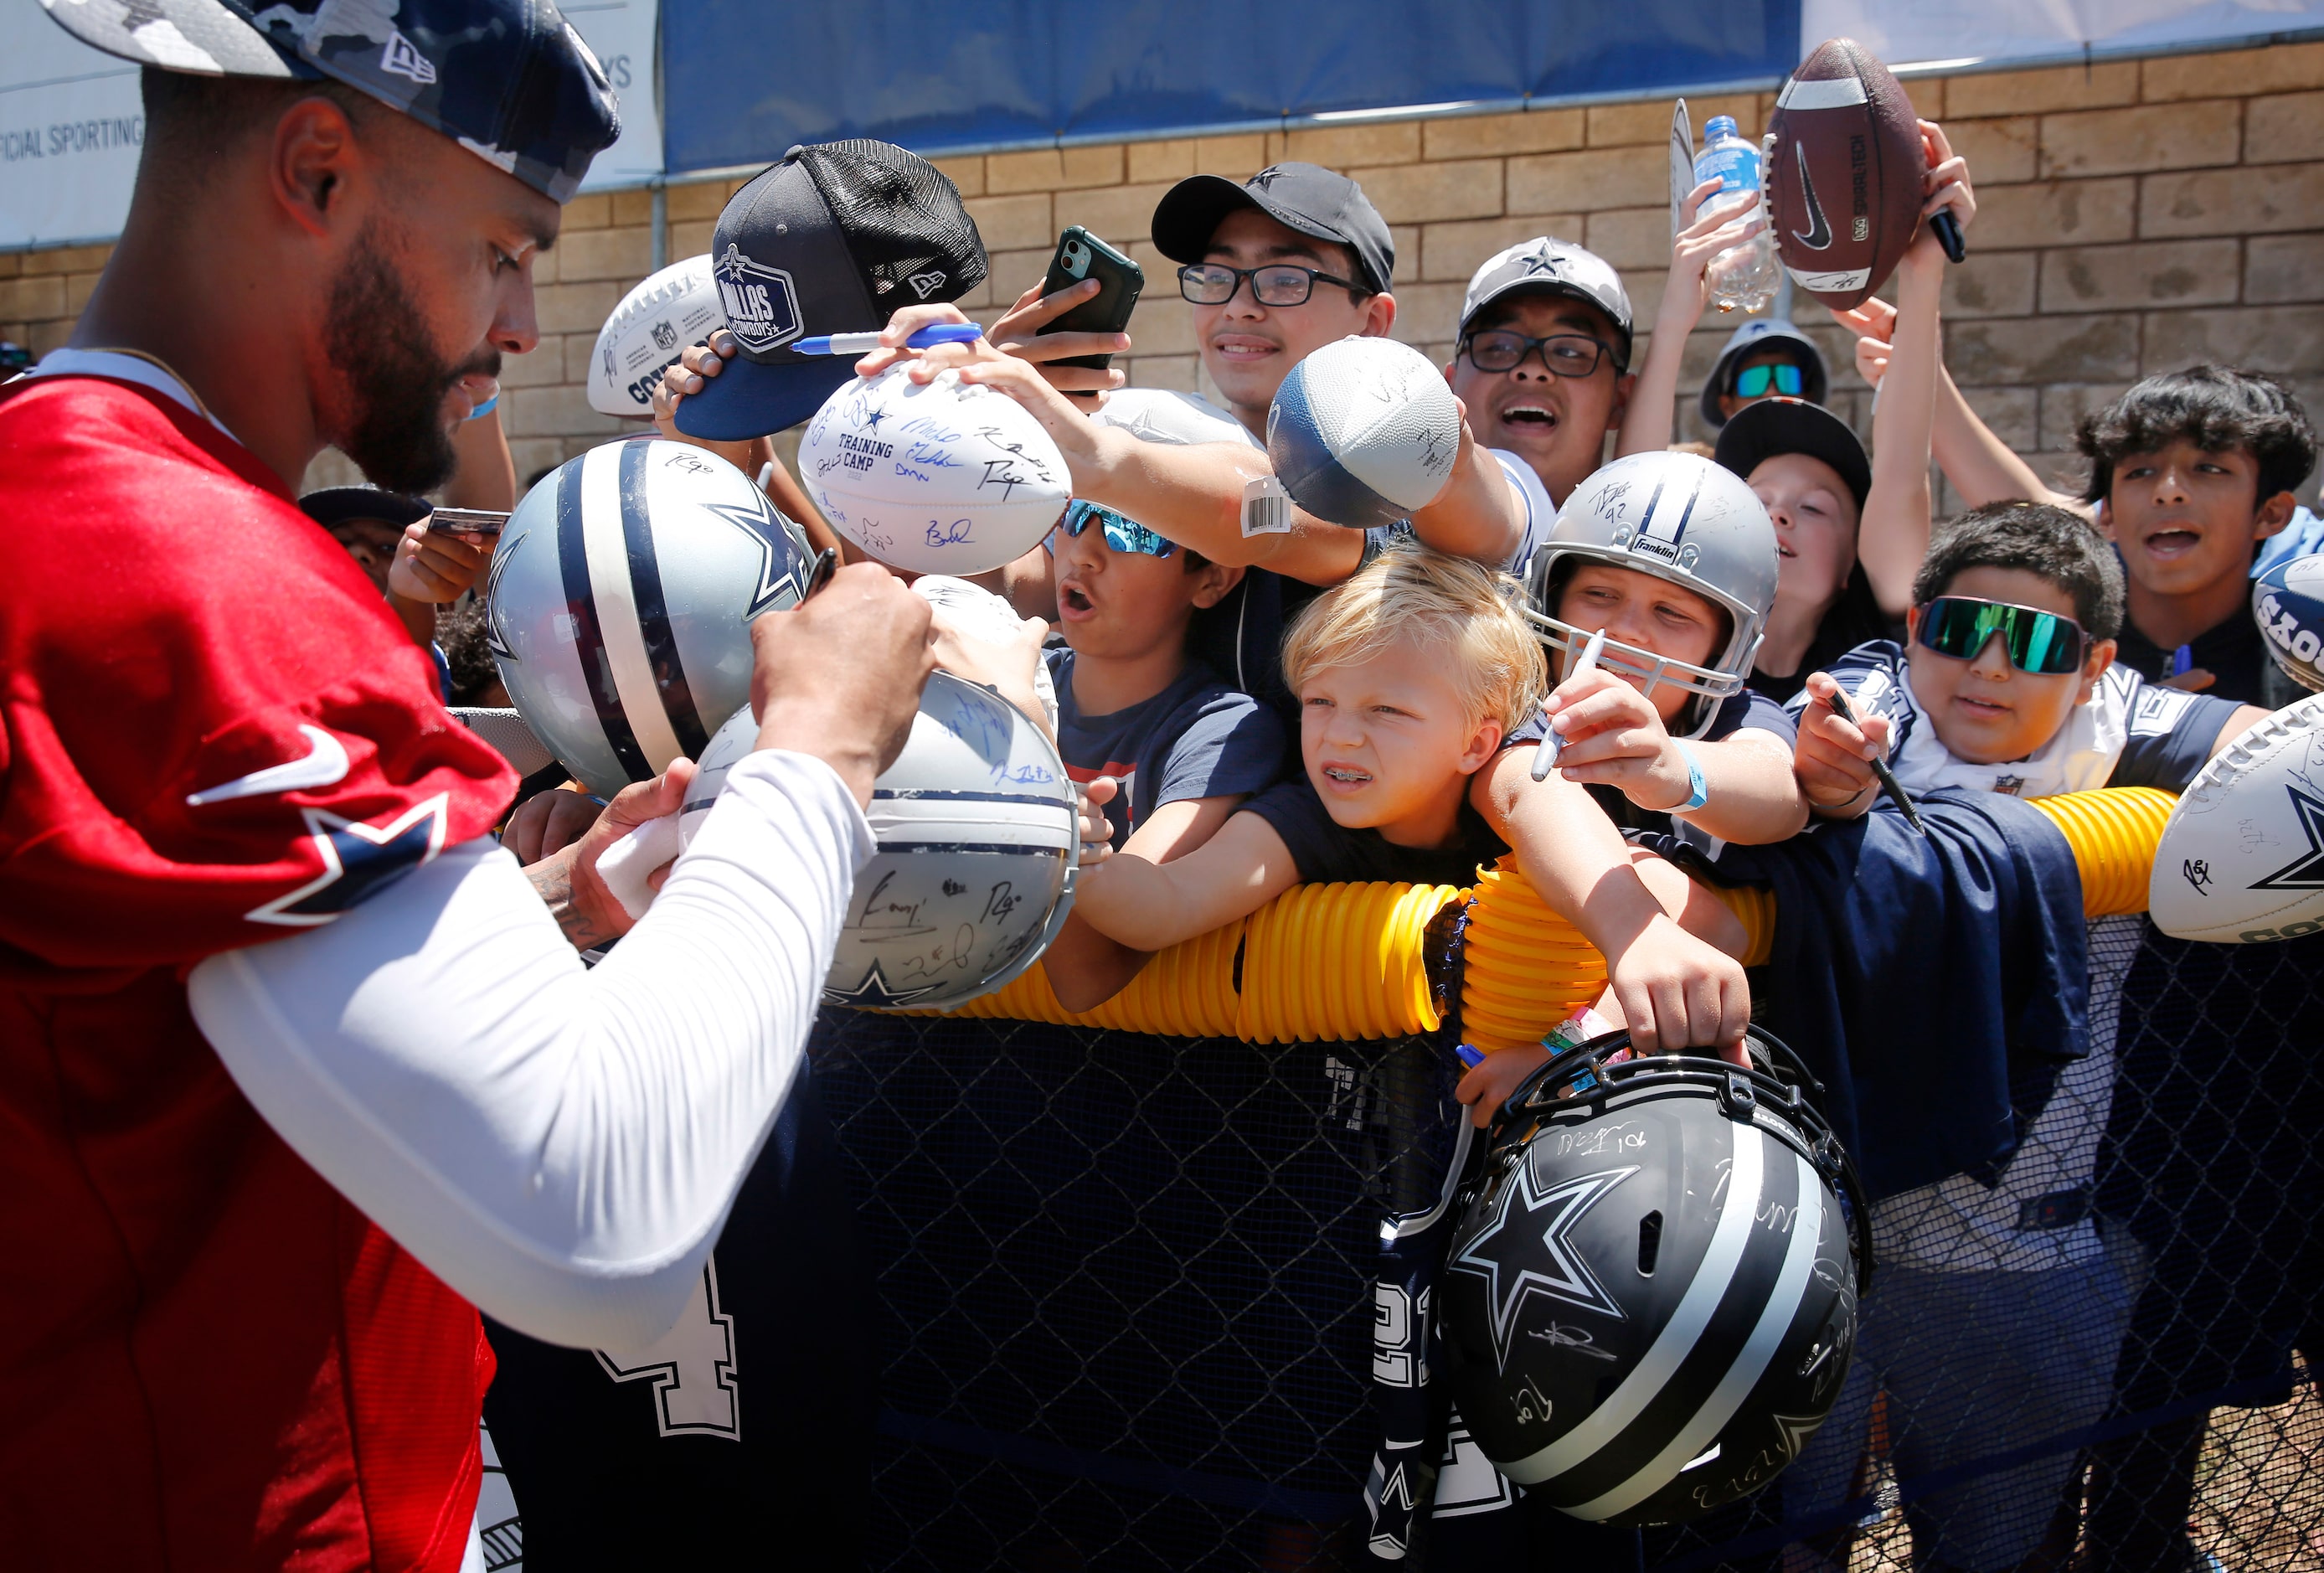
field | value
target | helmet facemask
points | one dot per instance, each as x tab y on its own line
1552	570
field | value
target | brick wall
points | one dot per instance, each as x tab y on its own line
2136	215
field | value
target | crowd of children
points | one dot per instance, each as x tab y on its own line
2041	642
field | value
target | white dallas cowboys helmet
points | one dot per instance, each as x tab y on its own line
620	603
1680	518
976	827
674	308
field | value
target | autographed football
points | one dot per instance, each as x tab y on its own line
975	824
676	307
1363	432
943	477
2242	856
1844	179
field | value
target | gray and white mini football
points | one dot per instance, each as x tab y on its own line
620	599
976	823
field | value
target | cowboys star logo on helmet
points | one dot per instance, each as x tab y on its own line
1569	1278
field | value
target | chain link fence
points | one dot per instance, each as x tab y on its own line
1127	1306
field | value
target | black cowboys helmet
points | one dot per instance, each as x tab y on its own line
1650	1301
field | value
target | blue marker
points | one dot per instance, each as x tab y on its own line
1545	757
865	343
1469	1055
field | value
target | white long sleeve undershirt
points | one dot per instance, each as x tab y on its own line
559	1144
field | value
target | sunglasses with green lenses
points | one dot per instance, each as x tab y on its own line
1122	534
2040	643
1752	382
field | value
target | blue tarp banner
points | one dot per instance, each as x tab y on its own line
744	79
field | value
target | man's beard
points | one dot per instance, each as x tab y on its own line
378	342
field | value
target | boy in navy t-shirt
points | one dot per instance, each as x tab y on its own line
1177	749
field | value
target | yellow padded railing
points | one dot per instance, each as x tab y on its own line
1340	962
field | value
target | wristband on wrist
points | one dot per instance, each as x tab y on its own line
1697	790
485	409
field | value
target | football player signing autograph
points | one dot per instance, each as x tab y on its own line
295	1062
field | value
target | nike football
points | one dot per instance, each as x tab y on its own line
2242	856
941	476
1844	178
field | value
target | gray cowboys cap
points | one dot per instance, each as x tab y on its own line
1546	265
510	80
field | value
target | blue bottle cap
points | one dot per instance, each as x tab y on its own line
1719	125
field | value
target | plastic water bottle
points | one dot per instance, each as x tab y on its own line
1742	278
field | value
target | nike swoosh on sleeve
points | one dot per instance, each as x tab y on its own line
325	764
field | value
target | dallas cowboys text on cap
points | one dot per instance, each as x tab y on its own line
510	80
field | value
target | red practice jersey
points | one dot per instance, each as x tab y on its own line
213	734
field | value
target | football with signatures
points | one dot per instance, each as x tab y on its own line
976	830
941	476
2242	856
1364	432
1844	178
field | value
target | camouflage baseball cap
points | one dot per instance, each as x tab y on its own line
510	80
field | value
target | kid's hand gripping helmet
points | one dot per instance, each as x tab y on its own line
1680	518
1649	1302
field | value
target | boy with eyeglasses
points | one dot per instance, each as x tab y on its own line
2008	683
1168	749
1542	365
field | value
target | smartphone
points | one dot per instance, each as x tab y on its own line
1082	256
466	521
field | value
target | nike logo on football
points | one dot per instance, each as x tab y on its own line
325	764
1819	232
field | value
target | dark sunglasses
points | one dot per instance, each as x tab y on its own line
1122	534
2041	644
1752	381
1568	355
1276	284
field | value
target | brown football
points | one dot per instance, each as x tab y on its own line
1844	179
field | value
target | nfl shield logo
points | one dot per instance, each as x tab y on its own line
665	336
762	303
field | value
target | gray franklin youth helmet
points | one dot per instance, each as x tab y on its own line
1680	518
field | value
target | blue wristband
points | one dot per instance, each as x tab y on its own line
485	409
1698	791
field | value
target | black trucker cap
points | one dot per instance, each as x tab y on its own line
1767	427
1307	198
833	239
508	80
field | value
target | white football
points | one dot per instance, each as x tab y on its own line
1363	432
2242	856
977	831
941	476
674	308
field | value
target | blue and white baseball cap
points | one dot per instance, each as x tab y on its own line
510	80
1763	333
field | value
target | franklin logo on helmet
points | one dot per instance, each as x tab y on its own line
1681	519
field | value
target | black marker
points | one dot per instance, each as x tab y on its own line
1887	778
827	563
1948	231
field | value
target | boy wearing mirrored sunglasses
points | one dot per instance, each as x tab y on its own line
1168	749
2007	682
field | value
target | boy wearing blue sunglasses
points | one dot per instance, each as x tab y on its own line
1163	742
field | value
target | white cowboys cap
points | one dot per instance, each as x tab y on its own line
1550	266
676	307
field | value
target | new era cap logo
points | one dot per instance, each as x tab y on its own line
761	304
403	58
927	283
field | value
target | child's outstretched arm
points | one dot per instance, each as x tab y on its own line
1614	737
1646	427
1981	467
1674	990
1086	968
1893	535
1147	905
